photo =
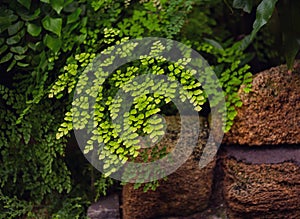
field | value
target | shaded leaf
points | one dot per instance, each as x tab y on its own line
74	16
15	28
19	49
213	43
246	5
14	39
22	64
289	15
25	3
19	57
264	12
291	48
52	43
28	16
7	17
3	49
6	58
12	64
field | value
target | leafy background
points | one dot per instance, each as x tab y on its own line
45	45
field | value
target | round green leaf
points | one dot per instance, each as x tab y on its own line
33	29
120	151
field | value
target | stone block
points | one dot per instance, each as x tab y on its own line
106	208
270	114
262	183
185	192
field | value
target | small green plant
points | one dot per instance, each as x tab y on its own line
155	18
13	207
102	185
30	152
72	208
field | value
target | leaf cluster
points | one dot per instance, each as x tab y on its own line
120	138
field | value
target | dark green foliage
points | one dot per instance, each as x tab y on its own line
233	72
37	40
286	13
72	208
32	164
266	46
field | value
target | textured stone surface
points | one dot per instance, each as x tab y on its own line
107	208
270	115
265	154
186	192
216	208
264	184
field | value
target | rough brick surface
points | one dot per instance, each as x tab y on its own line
259	187
186	192
270	114
107	207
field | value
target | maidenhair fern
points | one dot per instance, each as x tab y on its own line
120	135
120	139
232	73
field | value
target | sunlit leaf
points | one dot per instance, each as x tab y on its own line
33	29
52	24
57	5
